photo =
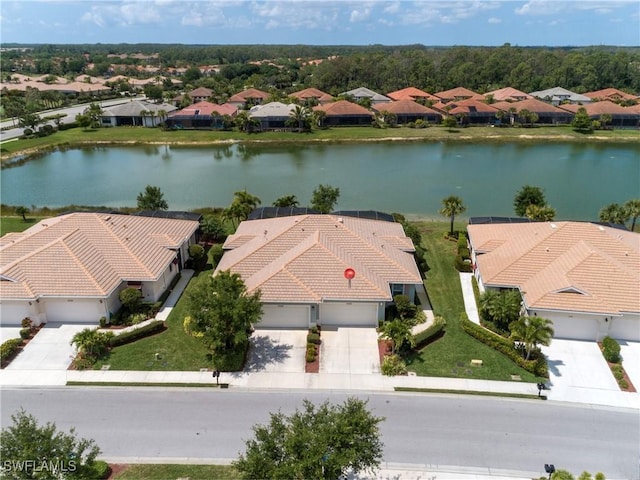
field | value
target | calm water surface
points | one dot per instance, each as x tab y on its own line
411	178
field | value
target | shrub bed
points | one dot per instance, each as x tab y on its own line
8	350
434	331
611	350
127	337
505	346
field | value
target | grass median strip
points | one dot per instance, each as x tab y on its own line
76	383
469	392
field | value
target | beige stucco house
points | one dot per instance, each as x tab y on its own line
583	276
299	263
71	268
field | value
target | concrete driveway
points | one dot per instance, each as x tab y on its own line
277	351
349	350
50	349
630	352
577	370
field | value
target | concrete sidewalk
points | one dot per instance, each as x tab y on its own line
387	470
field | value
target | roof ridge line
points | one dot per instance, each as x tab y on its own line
81	265
103	225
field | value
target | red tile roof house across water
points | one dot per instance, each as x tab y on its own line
71	268
345	113
299	262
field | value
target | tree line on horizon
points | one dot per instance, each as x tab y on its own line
285	67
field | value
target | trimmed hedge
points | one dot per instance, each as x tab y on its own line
131	336
9	348
505	346
313	338
436	329
611	350
311	353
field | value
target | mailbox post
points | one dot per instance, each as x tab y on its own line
216	375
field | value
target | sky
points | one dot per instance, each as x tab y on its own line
320	22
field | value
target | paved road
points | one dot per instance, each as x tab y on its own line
520	435
70	112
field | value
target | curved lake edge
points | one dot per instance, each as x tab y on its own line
22	156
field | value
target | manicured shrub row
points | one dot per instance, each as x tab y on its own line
611	350
435	330
133	335
313	338
463	258
9	348
25	333
505	346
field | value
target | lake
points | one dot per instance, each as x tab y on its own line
407	177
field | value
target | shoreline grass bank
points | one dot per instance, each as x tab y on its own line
17	152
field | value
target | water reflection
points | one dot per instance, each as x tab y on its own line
411	178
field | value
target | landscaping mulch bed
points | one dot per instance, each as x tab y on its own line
384	349
34	330
630	386
313	367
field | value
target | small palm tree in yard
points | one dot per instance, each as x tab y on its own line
399	332
452	206
532	331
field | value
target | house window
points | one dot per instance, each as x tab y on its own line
397	289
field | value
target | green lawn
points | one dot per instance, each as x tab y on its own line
451	355
178	351
16	224
77	137
165	472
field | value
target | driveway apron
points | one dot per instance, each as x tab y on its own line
577	365
349	350
277	351
50	349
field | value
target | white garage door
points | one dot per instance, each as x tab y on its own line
73	311
349	314
576	328
284	316
12	313
625	328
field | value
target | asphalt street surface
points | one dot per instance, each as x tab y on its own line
481	432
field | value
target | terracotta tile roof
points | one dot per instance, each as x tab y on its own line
471	107
458	93
508	93
411	93
303	258
597	108
309	93
532	104
633	108
248	94
206	108
569	266
405	107
88	254
201	92
611	94
343	107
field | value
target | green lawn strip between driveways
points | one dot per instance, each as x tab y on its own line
145	384
164	472
78	137
469	392
451	355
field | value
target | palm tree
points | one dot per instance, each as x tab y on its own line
286	201
614	213
452	206
300	115
532	331
319	116
399	332
605	118
540	213
633	209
